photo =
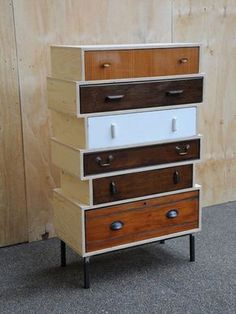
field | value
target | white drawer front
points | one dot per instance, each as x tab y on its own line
135	128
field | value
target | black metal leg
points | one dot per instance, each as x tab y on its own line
162	242
63	254
192	247
86	273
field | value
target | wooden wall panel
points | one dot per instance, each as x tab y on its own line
213	23
45	22
13	219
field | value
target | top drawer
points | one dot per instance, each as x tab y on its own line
83	63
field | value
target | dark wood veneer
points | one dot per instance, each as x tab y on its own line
143	156
141	220
110	189
134	95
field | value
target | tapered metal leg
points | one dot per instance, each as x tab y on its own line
86	273
63	254
192	247
162	242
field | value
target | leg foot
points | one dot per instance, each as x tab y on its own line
192	247
162	242
63	254
86	273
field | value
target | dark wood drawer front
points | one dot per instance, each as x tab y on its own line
110	189
111	97
128	158
136	221
115	64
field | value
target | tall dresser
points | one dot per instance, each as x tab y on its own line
125	137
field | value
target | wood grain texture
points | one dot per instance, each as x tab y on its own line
68	129
75	188
141	220
143	156
68	219
139	63
13	217
40	24
100	97
62	96
110	189
193	21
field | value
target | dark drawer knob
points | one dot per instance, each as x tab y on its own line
99	161
183	60
173	213
182	149
175	92
116	225
113	188
176	177
114	97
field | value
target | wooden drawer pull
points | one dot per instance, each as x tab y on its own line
113	188
173	213
175	92
110	158
114	97
183	149
176	177
116	225
106	65
183	60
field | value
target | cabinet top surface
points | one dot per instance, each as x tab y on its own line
129	46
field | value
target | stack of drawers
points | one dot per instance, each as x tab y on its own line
125	137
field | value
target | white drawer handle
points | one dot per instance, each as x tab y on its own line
113	130
174	124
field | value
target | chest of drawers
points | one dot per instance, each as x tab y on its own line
125	136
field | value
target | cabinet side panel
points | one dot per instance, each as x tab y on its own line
65	158
68	130
62	96
66	63
75	188
68	222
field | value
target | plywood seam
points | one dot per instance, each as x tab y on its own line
21	120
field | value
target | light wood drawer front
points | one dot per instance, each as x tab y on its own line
114	64
135	95
144	156
121	187
135	128
136	221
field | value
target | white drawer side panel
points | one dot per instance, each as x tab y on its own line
135	128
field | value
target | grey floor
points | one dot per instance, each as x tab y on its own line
154	278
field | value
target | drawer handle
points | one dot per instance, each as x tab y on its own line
183	60
176	177
116	225
114	97
183	149
173	213
113	188
110	158
106	65
175	92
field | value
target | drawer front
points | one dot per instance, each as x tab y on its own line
112	97
143	127
114	64
128	158
115	188
136	221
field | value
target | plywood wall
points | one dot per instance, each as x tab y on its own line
38	24
213	23
13	219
